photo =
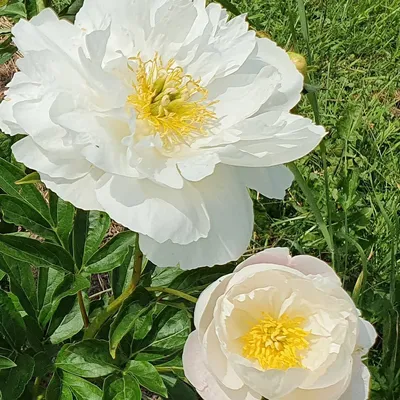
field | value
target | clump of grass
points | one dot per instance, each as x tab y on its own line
353	48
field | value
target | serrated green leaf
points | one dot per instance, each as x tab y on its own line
148	376
6	363
22	283
12	326
9	174
71	324
133	308
89	359
14	380
98	225
81	388
36	253
112	255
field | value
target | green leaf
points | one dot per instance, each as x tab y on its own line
123	387
70	325
34	333
6	363
36	253
5	146
12	326
148	376
133	308
196	280
144	323
43	364
172	329
79	235
81	388
60	5
22	283
6	53
69	286
177	389
14	380
15	10
121	276
98	225
18	212
89	359
48	281
9	174
165	276
65	213
112	255
31	178
56	390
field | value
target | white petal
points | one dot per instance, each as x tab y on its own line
203	313
272	182
288	93
80	192
202	379
198	167
34	157
160	212
309	265
272	138
366	336
217	361
276	255
360	381
230	210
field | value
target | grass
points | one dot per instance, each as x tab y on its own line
353	49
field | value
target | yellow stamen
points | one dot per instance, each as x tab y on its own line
276	343
173	104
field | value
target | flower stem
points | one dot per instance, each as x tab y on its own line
173	292
115	305
85	317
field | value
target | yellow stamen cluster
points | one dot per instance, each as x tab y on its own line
173	104
276	343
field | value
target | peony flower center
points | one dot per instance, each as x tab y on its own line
276	343
173	104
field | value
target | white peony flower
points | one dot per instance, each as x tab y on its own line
278	327
162	113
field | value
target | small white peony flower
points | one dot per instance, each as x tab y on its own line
162	113
278	327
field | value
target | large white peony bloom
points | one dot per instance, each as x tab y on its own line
162	113
278	327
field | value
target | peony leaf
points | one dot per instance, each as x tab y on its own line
89	359
19	213
57	390
36	253
121	276
33	177
112	255
148	376
128	316
6	363
81	388
12	326
123	387
9	174
22	283
177	389
14	380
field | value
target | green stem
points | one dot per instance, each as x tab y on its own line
173	292
85	317
36	388
40	5
115	305
313	205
